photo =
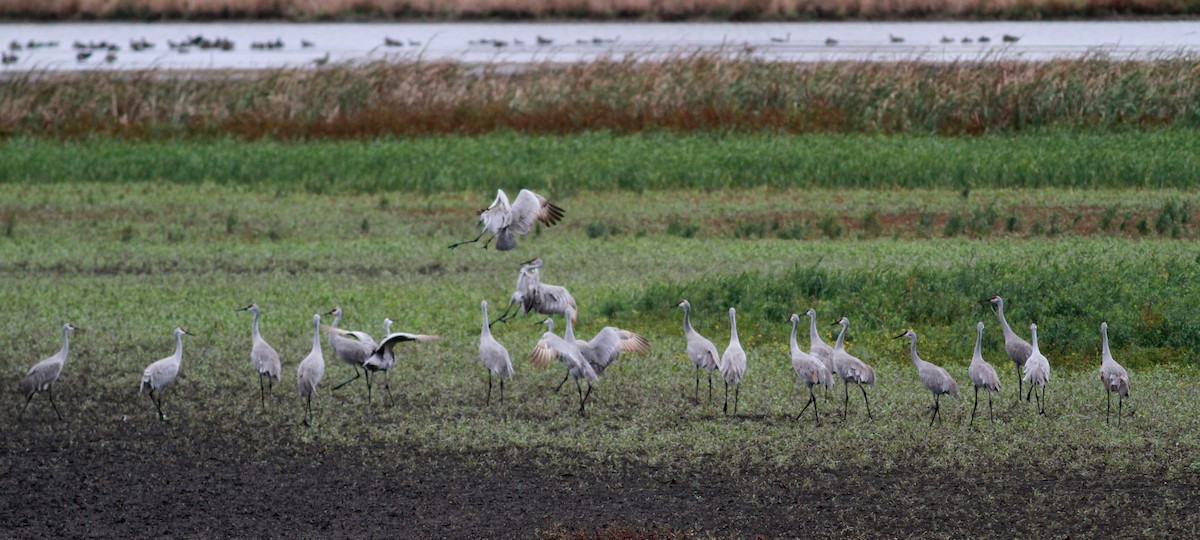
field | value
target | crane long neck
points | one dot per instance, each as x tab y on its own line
814	337
841	340
1104	344
486	331
795	346
1035	345
1003	321
569	334
912	352
178	346
337	319
254	326
978	342
317	334
733	328
687	319
66	343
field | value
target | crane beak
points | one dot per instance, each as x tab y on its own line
188	333
898	337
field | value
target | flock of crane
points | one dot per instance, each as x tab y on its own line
586	361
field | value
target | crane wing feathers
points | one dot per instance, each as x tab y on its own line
529	208
542	354
495	217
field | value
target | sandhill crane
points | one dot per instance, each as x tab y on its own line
982	374
700	350
810	370
1112	376
533	295
382	354
162	372
493	356
933	377
1018	349
505	220
263	357
605	347
351	350
566	350
851	370
310	371
817	346
733	363
384	363
42	376
1037	371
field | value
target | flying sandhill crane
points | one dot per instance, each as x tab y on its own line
382	355
1018	349
263	357
817	346
1037	371
1113	376
733	363
700	350
810	370
162	372
933	377
566	350
851	370
352	350
493	356
310	371
533	295
505	220
982	374
42	376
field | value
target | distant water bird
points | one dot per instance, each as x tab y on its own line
829	42
966	39
352	350
381	354
984	39
1112	376
310	371
817	346
582	42
895	39
1009	38
506	220
7	59
42	376
263	357
947	39
534	296
413	43
1037	371
83	55
566	350
982	374
306	44
110	58
389	42
499	43
162	372
544	40
493	356
14	45
1018	349
733	363
851	370
518	42
783	39
700	350
322	60
933	377
810	370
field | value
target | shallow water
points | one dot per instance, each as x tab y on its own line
581	41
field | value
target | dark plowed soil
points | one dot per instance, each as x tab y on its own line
175	483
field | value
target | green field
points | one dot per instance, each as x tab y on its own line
128	240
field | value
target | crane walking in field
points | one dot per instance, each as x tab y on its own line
982	374
162	372
493	356
352	350
382	354
42	376
1018	349
505	220
933	377
1113	376
810	370
700	350
263	357
1037	371
733	363
817	346
851	370
532	295
566	350
310	371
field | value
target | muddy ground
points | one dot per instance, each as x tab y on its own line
127	481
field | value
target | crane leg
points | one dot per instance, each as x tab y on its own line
347	381
503	316
368	374
1020	382
865	400
990	419
1120	404
452	246
157	406
564	381
501	389
1031	387
1043	400
1108	412
580	390
846	400
736	390
387	385
976	406
27	400
813	397
488	401
308	411
489	241
725	408
710	386
696	393
262	392
811	401
50	394
935	410
587	394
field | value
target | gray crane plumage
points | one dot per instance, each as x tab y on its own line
566	350
817	346
1114	377
1037	371
851	370
384	363
733	363
810	370
982	374
700	350
1018	349
381	353
163	372
505	220
310	371
933	377
493	356
534	296
352	350
263	357
42	375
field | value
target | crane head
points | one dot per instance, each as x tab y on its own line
337	310
795	319
907	334
682	303
182	331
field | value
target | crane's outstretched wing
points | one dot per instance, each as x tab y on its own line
360	336
529	208
542	354
397	337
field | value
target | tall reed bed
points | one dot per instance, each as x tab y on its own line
701	92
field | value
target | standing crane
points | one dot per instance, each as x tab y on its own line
533	295
1112	376
352	350
566	350
733	363
384	364
263	357
817	346
604	348
933	377
1018	349
851	370
493	356
381	354
982	374
310	371
505	220
162	372
1037	371
42	376
810	370
700	350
